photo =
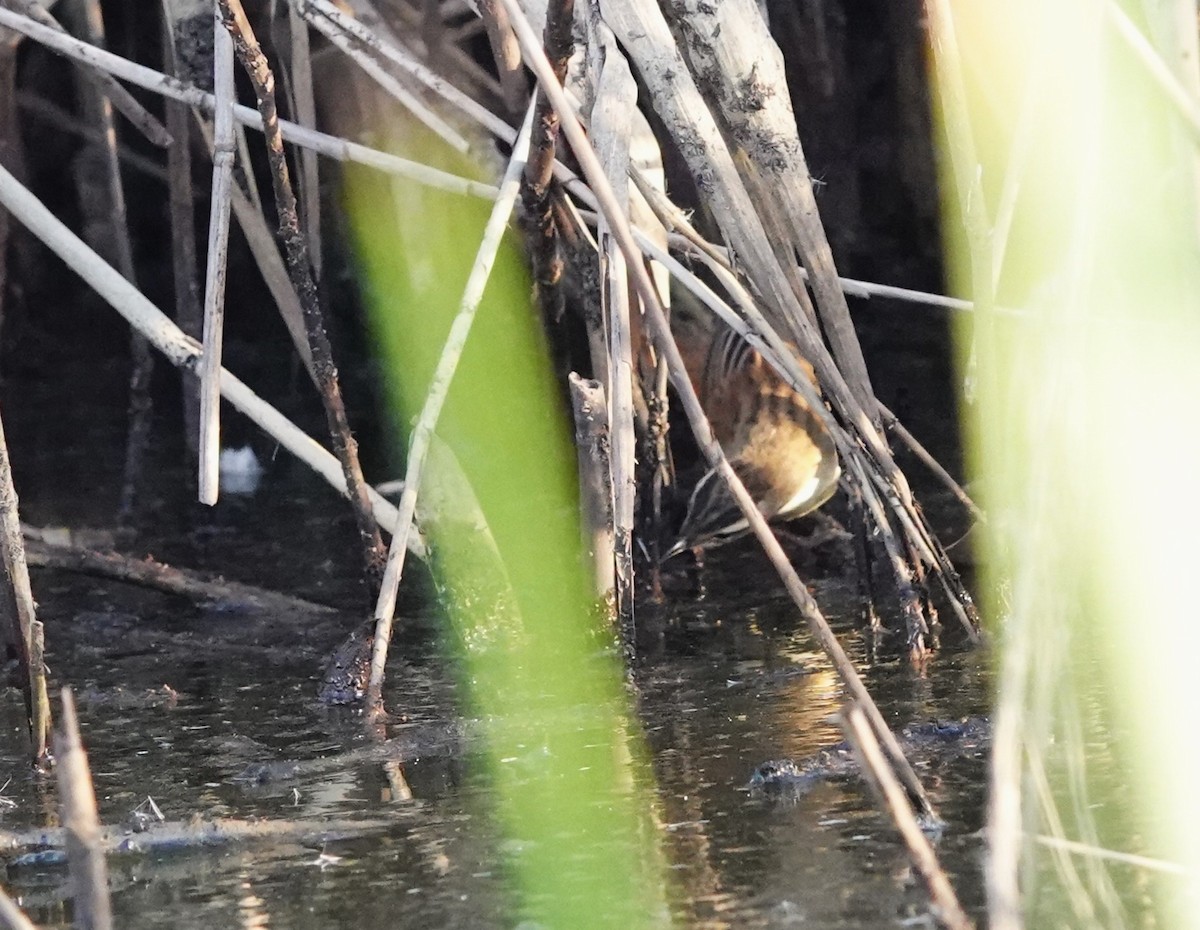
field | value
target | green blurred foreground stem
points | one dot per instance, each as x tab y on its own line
1075	167
563	754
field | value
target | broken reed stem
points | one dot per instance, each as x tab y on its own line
81	824
180	350
611	127
595	481
346	449
661	333
149	573
890	794
224	155
16	570
439	388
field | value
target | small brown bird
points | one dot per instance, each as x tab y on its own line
776	444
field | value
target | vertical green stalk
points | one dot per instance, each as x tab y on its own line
1086	443
562	752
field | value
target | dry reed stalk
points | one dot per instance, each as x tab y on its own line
879	775
23	609
255	64
611	127
180	350
661	333
81	825
224	155
157	82
41	693
595	482
439	388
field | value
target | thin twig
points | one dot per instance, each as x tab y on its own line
255	64
439	388
891	422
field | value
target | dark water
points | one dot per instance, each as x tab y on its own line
733	681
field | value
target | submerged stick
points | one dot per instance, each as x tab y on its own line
707	442
217	263
255	64
880	776
81	824
16	569
439	388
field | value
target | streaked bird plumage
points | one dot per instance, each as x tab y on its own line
775	443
